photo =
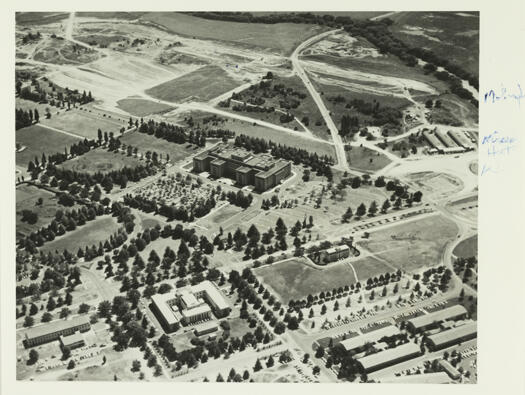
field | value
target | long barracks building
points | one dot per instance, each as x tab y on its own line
260	170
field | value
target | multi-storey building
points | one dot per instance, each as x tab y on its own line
46	333
260	170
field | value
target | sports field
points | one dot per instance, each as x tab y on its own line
370	267
37	140
280	37
414	244
294	279
145	142
141	107
93	232
99	160
202	84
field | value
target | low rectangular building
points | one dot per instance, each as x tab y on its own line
433	141
46	333
461	139
445	139
425	378
336	253
389	357
432	320
358	342
450	370
72	341
207	327
453	336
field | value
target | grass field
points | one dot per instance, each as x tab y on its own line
99	160
413	245
83	123
94	232
39	18
38	140
280	37
141	107
26	199
467	248
293	279
203	84
145	142
241	127
370	267
366	159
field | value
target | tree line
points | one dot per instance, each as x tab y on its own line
24	118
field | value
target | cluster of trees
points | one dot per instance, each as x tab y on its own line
76	149
171	133
31	37
64	221
106	180
466	268
25	118
239	199
243	284
437	277
320	164
59	97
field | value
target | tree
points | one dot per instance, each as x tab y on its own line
71	364
306	357
270	362
33	309
316	370
319	353
246	375
46	317
64	313
104	309
33	357
372	210
385	206
66	353
257	366
348	214
429	103
361	210
219	379
135	365
29	321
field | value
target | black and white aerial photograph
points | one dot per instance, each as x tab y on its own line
247	197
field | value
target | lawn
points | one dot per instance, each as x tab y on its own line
100	160
279	37
84	124
278	137
467	248
294	279
366	159
26	199
38	140
145	142
370	267
202	84
141	107
92	233
413	245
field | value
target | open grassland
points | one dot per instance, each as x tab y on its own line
467	248
39	18
279	37
64	52
278	137
141	107
387	65
203	84
294	279
26	199
369	267
110	15
413	245
144	142
454	36
93	232
100	160
84	124
366	159
38	140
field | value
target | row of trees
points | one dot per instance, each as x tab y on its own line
24	118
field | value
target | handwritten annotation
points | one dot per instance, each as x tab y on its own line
504	94
497	146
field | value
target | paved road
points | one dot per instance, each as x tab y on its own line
296	63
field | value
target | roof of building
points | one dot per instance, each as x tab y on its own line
370	337
335	249
279	165
449	369
460	138
426	378
437	316
243	169
454	334
391	354
55	326
206	326
202	155
201	309
71	339
188	298
432	139
445	138
218	162
213	293
161	302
